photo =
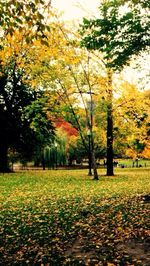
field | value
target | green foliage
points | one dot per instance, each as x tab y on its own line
38	119
24	124
122	30
47	216
14	97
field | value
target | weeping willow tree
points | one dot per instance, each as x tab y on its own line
55	155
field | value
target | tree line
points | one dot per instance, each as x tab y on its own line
48	72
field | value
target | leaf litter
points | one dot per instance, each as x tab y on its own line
75	229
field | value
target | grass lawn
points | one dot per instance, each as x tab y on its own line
62	217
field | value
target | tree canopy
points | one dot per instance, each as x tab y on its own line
26	16
46	75
121	30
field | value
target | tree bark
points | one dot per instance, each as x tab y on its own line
110	168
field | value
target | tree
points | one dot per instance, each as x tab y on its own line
16	94
41	127
131	111
10	116
67	78
24	124
29	19
21	23
121	31
66	132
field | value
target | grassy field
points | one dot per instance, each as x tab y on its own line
63	217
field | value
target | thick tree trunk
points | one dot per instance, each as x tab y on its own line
4	167
110	168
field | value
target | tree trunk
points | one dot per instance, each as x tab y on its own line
4	168
89	157
110	168
94	166
92	138
93	157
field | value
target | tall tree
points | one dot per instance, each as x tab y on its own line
27	19
68	77
15	95
24	124
121	31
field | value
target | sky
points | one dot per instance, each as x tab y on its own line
76	9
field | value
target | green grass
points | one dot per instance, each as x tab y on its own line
43	213
129	162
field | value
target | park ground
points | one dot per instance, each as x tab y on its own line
63	217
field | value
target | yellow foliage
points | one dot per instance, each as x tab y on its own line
146	152
131	153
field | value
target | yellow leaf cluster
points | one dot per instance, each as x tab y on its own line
14	48
146	152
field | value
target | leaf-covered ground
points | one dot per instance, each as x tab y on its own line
65	218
